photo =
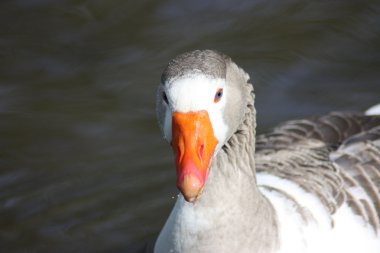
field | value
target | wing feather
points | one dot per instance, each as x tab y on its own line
335	157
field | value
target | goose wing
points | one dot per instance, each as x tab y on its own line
336	157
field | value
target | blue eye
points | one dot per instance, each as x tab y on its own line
218	95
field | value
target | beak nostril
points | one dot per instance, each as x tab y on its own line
201	149
179	152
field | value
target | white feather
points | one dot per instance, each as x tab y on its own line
342	232
196	93
374	110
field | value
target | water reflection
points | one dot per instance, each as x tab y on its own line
83	165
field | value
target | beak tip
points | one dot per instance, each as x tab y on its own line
190	187
191	199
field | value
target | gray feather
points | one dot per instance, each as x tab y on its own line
326	156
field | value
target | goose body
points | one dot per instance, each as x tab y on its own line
309	185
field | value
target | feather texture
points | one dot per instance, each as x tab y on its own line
335	157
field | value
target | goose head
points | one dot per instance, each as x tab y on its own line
201	101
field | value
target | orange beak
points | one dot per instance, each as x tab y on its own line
193	143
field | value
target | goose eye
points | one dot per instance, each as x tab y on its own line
218	95
165	98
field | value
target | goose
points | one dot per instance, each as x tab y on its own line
309	185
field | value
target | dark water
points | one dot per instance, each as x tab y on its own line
83	167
